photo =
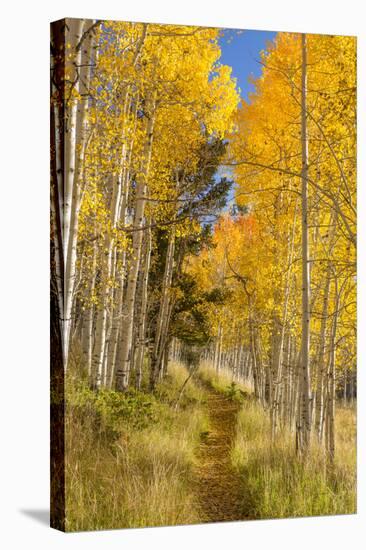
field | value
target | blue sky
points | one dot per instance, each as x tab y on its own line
241	50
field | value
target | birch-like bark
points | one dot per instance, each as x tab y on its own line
111	323
254	358
70	75
101	326
304	416
116	323
123	368
115	345
278	367
88	319
74	31
331	377
140	354
163	317
220	351
319	405
217	350
87	53
331	393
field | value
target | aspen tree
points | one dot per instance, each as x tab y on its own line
72	42
123	368
304	427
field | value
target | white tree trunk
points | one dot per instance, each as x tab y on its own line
278	367
163	316
304	416
70	139
142	325
123	368
101	326
74	32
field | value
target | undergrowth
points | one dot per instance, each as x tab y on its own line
276	484
130	457
223	382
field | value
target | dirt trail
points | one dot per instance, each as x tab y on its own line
218	485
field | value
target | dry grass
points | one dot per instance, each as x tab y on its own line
131	459
277	485
224	381
119	475
168	390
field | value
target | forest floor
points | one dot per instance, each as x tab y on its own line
219	488
137	460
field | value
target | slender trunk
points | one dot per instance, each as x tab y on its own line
106	305
253	354
281	336
123	368
304	417
217	350
331	380
70	77
163	316
319	407
88	319
71	196
345	386
115	347
141	346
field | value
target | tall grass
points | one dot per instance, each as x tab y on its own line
276	484
223	381
129	458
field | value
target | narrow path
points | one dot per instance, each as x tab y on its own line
219	491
